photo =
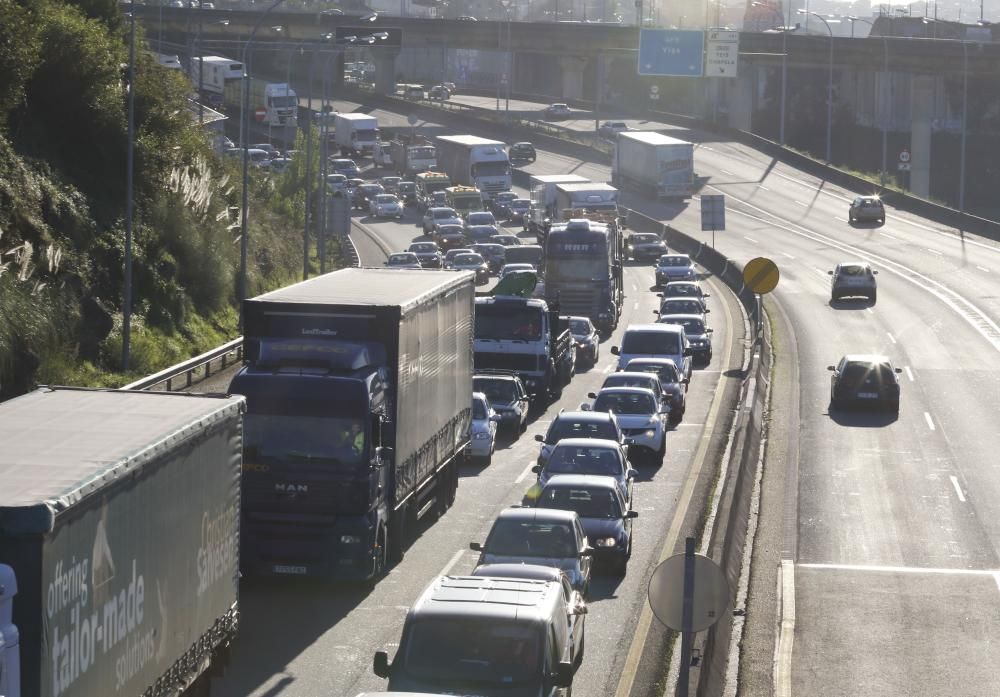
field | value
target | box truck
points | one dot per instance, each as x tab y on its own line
355	133
655	164
119	516
278	101
359	398
542	192
410	156
216	73
474	161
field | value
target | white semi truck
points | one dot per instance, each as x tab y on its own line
653	163
475	161
542	191
278	101
355	134
216	73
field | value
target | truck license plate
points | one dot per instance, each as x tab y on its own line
297	570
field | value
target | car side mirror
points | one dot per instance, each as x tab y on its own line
495	418
687	352
579	609
380	664
709	330
874	273
592	395
832	367
628	441
686	380
656	312
615	351
630	474
476	546
659	295
632	514
586	552
539	438
706	295
899	370
586	407
564	674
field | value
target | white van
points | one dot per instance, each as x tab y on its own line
655	341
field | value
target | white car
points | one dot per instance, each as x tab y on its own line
385	206
609	129
642	415
336	183
483	431
476	218
440	215
655	341
674	267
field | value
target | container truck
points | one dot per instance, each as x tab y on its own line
572	199
277	100
216	73
653	163
474	161
542	192
355	133
119	527
412	156
359	398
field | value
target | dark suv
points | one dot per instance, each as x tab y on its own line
864	380
522	152
866	208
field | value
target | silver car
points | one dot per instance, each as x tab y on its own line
440	215
674	267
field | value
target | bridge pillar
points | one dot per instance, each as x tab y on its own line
922	115
385	70
572	76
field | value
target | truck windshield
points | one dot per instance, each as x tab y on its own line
499	322
455	652
579	269
491	169
283	101
423	153
365	134
337	440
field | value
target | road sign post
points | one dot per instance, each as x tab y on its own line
761	276
713	213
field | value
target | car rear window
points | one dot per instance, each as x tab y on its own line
853	270
562	428
624	403
651	342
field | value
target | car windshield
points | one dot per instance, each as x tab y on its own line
859	373
644	239
531	538
407	187
587	503
674	261
584	460
504	197
871	203
624	403
580	326
371	189
385	198
520	203
478	410
480	219
423	247
467	650
529	254
499	322
497	391
468	260
619	380
442	213
691	325
666	372
666	342
564	428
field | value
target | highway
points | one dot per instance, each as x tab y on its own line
889	524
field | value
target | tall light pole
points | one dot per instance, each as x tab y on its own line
129	166
965	109
784	66
244	131
829	88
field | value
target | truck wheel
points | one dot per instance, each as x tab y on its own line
381	556
661	453
397	535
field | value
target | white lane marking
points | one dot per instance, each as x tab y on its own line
750	239
869	311
788	255
451	564
608	368
761	186
891	337
804	205
841	220
983	268
786	630
901	569
726	171
524	475
929	420
635	305
909	374
886	234
958	489
821	272
934	251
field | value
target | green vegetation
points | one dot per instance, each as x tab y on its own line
63	144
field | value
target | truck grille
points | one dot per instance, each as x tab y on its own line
506	361
575	302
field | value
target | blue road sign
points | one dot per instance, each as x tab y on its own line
671	52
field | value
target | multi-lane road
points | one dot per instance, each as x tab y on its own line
887	526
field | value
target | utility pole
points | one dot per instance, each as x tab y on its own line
129	164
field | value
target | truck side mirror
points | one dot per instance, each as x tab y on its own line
564	674
380	664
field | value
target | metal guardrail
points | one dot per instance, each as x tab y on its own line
193	370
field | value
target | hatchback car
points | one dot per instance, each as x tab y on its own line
853	279
507	397
698	334
544	536
385	206
866	208
403	260
642	414
610	129
605	458
439	92
483	429
514	268
507	240
390	184
480	233
345	166
364	194
588	343
682	289
578	424
864	380
499	205
674	267
492	253
604	514
644	246
655	341
683	306
480	218
428	254
522	152
450	254
440	215
674	388
336	183
407	191
557	111
475	263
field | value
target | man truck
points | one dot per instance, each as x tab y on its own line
654	164
119	526
355	134
358	387
476	162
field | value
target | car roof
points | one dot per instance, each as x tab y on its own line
556	515
535	572
663	318
474	597
592	442
593	481
491	376
584	416
651	360
664	328
631	374
686	283
625	390
866	358
579	317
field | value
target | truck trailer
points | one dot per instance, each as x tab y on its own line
474	161
216	73
278	101
542	192
653	163
359	399
119	515
355	133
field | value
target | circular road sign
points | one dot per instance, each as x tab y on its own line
654	89
710	593
260	113
904	155
412	119
761	275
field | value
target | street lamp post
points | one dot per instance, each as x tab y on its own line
829	87
965	107
784	67
129	166
244	131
